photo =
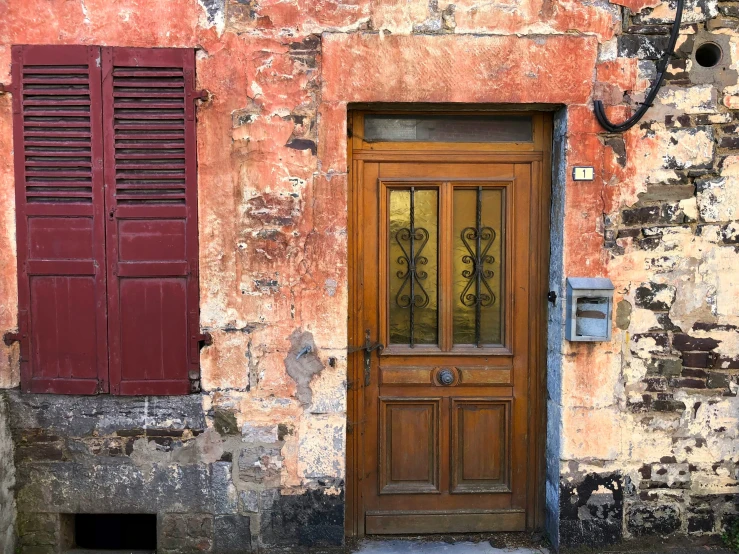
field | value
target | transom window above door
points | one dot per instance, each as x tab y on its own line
445	264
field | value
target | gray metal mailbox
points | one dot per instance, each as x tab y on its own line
589	309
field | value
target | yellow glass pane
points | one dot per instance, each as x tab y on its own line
478	266
413	251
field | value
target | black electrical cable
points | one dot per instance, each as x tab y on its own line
598	108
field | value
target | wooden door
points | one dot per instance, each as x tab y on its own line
448	283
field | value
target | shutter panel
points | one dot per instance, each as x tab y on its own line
152	250
57	128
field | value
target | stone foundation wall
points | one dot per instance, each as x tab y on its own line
214	487
7	483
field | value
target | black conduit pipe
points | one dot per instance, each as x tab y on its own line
600	112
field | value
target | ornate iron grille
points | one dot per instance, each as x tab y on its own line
477	292
412	295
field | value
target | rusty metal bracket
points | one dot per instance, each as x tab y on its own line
10	337
6	89
203	95
205	339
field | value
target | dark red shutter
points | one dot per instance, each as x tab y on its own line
60	218
152	250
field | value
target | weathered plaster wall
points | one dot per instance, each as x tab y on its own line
650	419
7	483
642	429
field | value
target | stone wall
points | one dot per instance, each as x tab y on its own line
650	420
641	430
7	483
214	488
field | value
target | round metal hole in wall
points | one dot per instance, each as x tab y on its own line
708	54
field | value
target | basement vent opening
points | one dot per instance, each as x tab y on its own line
101	532
708	54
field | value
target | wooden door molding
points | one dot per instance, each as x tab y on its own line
398	418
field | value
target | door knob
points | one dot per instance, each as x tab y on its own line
445	377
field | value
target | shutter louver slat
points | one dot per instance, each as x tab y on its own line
60	224
136	132
152	234
67	99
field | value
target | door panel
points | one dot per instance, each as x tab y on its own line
409	446
444	273
480	466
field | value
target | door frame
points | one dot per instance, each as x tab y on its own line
539	154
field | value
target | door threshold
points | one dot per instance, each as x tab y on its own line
508	543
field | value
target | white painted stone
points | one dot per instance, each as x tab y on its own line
719	199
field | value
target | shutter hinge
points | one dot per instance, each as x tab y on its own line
203	95
11	88
205	338
9	338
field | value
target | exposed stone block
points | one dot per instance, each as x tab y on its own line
669	476
249	501
722	23
645	47
718	198
694	373
727	362
664	366
667	405
312	518
695	11
591	510
224	421
38	530
730	233
260	464
67	487
185	533
655	296
683	342
718	380
656	384
700	523
642	216
732	142
645	519
698	359
40	452
224	492
232	534
667	193
259	433
645	345
104	414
